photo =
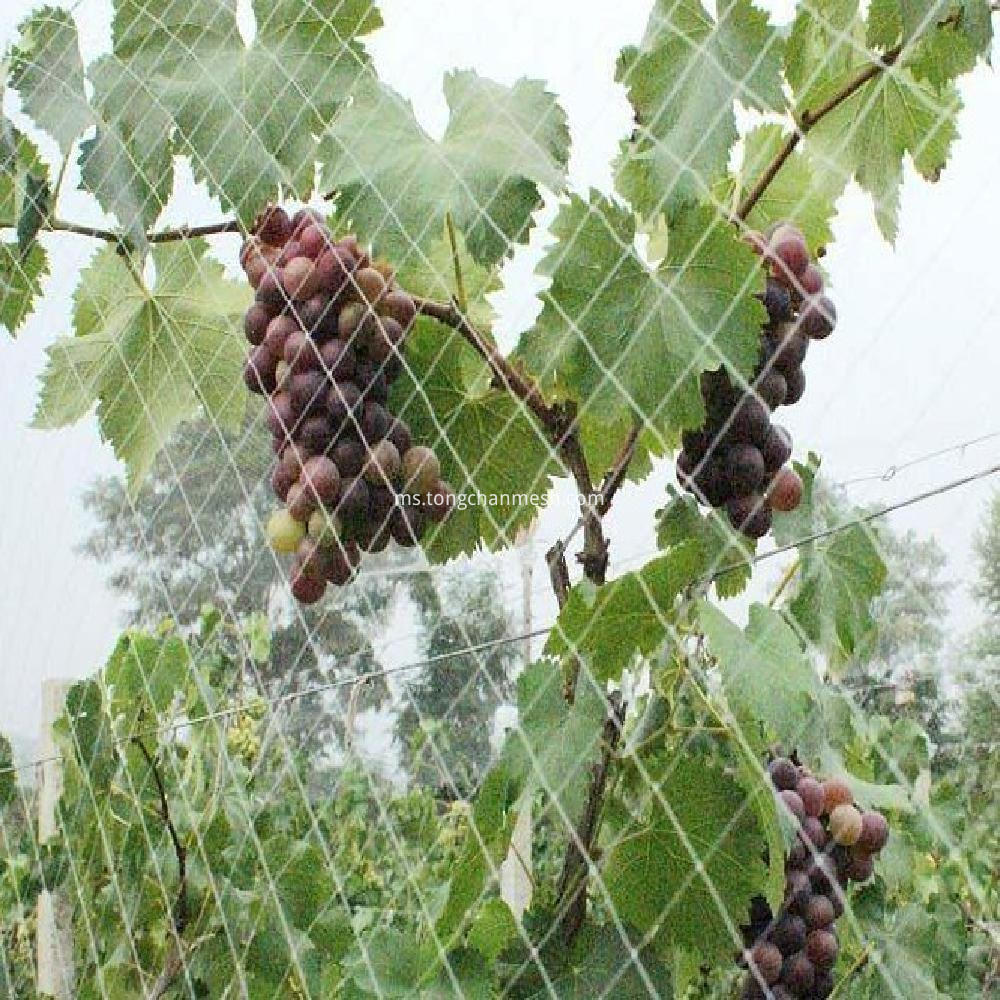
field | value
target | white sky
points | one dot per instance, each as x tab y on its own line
911	368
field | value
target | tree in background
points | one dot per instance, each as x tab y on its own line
448	711
986	589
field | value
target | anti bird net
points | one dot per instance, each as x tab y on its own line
616	726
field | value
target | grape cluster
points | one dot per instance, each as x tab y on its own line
327	329
737	460
793	954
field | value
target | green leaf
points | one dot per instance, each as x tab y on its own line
47	71
248	115
688	875
501	145
766	676
838	578
128	165
683	82
34	211
601	963
891	117
620	338
493	929
633	614
823	45
905	956
20	282
486	442
149	358
143	675
725	554
555	744
393	964
798	191
894	21
602	442
951	50
778	831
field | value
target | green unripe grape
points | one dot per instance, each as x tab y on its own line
283	532
324	528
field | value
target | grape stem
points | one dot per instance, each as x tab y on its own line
808	118
785	581
860	961
559	422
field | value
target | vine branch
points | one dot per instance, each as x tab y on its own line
160	236
808	118
180	911
579	854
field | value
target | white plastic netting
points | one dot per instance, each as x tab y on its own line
260	799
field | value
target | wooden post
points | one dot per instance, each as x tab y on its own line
55	926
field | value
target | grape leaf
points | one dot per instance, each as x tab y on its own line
602	963
619	338
952	49
725	554
34	211
128	164
393	964
839	575
902	956
823	45
602	442
397	183
867	137
683	81
149	357
485	440
555	744
20	282
143	674
47	71
894	21
493	929
248	115
609	625
779	832
798	191
689	874
486	845
767	679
